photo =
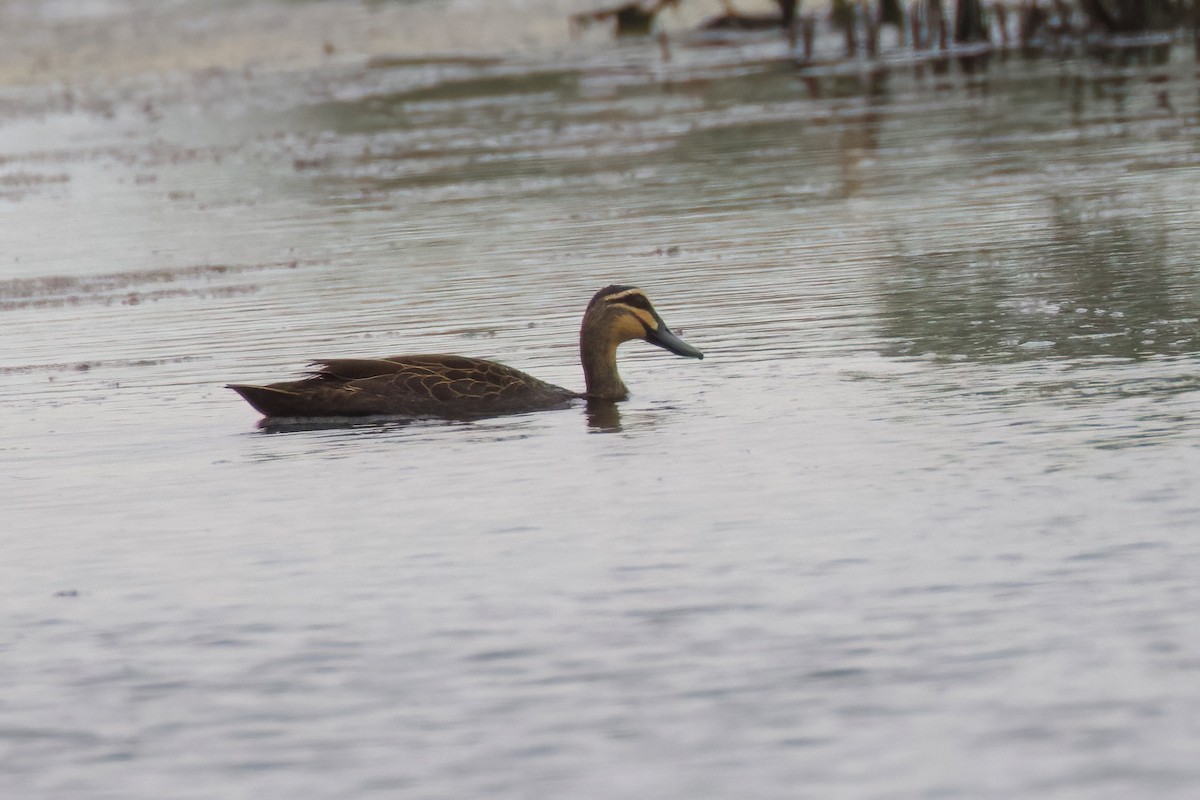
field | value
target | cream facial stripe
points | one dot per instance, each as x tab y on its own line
627	293
646	317
640	308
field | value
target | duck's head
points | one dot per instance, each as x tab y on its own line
618	314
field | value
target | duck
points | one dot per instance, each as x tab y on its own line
459	387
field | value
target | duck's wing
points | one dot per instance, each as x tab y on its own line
423	385
434	377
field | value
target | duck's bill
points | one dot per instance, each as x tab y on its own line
669	341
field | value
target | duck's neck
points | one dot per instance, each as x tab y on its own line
599	357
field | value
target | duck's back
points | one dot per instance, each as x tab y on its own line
421	385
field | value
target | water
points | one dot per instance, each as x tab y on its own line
922	523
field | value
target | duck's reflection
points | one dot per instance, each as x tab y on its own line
603	416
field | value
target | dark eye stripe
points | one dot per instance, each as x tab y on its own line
634	301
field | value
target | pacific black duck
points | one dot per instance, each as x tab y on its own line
460	387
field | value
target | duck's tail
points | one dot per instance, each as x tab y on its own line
270	401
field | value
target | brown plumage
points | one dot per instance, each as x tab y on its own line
461	387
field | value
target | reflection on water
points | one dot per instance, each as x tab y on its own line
604	417
367	424
1105	283
931	491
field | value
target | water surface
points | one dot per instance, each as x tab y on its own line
922	523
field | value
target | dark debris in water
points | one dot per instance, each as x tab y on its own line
87	366
635	18
17	185
131	288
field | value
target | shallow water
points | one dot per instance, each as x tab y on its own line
922	523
